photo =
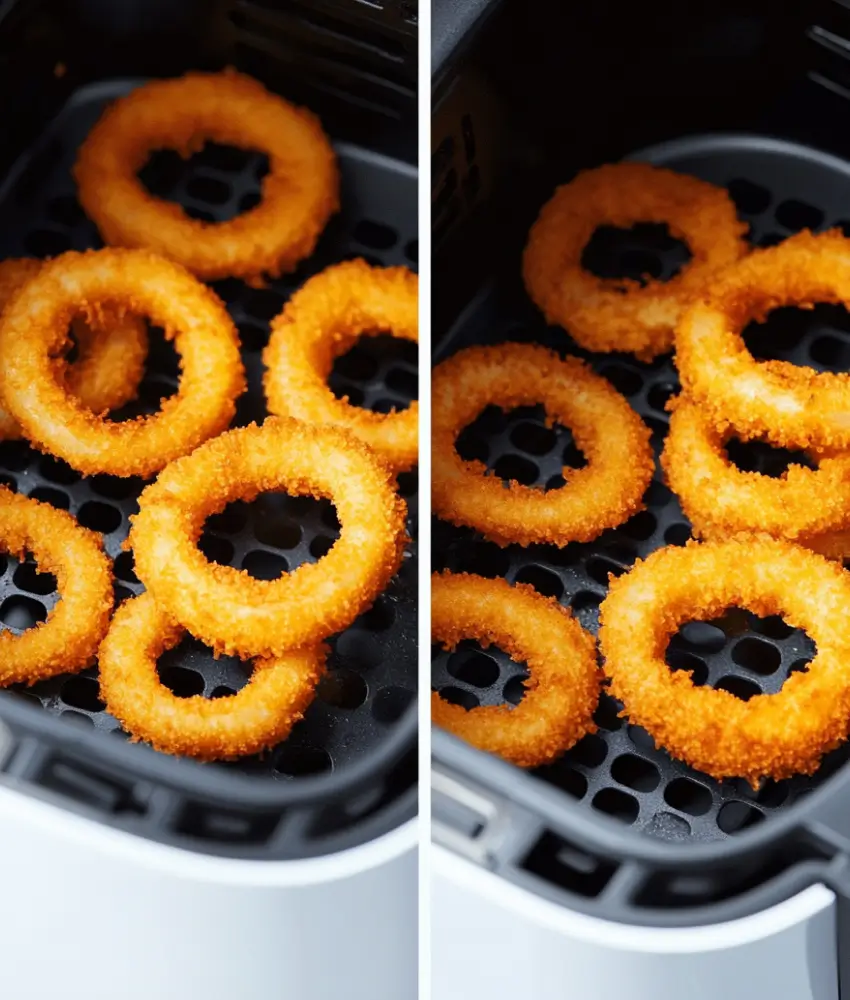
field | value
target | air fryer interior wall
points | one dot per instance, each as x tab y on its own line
351	773
571	88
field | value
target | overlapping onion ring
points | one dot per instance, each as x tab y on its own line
257	717
562	690
300	192
619	314
226	607
721	500
771	735
111	354
613	438
322	321
67	641
796	405
33	331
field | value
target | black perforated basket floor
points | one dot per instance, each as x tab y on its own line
369	692
778	188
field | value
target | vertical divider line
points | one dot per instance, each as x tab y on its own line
424	592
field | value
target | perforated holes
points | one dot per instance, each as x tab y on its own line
635	772
99	517
21	613
660	394
796	215
620	805
543	580
607	714
641	526
736	816
404	382
599	569
756	655
533	438
484	558
390	704
740	687
261	303
590	751
681	659
27	577
379	617
265	565
182	682
82	692
515	468
830	352
375	235
471	446
457	696
321	546
773	627
299	762
514	690
208	189
771	240
688	796
585	604
626	380
222	692
343	688
116	488
658	495
473	667
677	534
703	636
749	198
278	532
124	567
217	550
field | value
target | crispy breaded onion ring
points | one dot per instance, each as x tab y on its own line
773	735
67	641
562	690
33	330
255	718
618	314
225	607
721	500
606	429
322	321
111	354
796	405
299	193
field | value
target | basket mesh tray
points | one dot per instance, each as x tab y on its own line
372	679
778	188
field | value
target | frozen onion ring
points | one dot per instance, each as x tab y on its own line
254	719
562	690
33	329
771	735
796	405
67	640
721	500
111	354
322	321
299	193
618	314
226	608
613	438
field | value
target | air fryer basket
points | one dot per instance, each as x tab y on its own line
348	771
617	828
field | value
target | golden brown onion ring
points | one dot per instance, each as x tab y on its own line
772	735
111	354
227	608
562	690
606	429
300	192
322	321
619	314
255	718
67	641
33	330
796	405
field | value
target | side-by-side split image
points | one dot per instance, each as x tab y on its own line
424	500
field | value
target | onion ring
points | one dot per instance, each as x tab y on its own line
257	717
33	329
67	641
774	735
606	429
299	193
322	321
721	500
225	607
796	405
595	311
111	355
562	690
